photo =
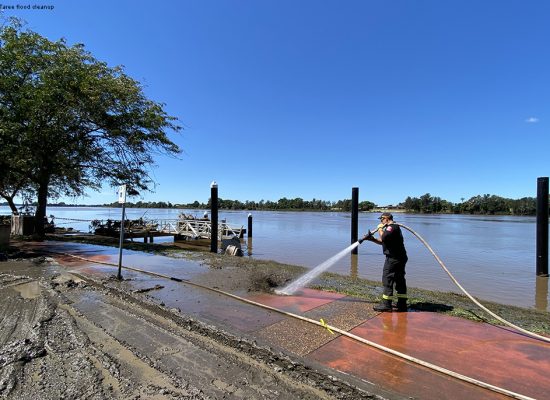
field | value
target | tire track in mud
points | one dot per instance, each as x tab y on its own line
21	321
218	371
120	371
15	319
42	355
49	352
299	379
77	338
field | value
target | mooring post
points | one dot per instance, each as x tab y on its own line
354	271
249	231
354	217
541	293
542	226
214	217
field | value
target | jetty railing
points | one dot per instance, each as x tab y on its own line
197	228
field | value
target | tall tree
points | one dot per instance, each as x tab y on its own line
77	122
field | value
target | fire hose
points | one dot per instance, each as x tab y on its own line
476	302
323	324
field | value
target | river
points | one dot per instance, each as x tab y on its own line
493	257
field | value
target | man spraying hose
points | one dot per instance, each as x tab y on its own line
391	240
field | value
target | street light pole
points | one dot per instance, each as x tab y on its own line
121	199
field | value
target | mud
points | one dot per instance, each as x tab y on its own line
41	350
69	336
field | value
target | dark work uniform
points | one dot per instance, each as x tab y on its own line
396	258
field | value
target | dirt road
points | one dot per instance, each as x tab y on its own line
64	337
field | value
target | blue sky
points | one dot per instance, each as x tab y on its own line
308	99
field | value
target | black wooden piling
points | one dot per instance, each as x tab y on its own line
354	217
541	293
249	231
542	226
214	217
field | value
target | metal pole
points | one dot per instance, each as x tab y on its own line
119	275
542	226
214	217
249	231
354	217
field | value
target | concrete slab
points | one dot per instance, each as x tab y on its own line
481	351
345	313
295	336
300	337
301	301
393	374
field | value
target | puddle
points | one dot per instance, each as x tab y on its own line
29	290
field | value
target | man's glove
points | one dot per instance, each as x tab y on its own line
380	226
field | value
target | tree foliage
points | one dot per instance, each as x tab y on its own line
297	204
70	122
480	204
486	204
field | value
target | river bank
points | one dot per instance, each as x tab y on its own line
265	275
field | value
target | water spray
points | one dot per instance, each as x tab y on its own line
308	277
318	270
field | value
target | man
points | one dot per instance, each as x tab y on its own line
391	240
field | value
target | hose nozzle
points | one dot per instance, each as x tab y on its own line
368	236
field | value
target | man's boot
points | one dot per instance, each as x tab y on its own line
383	306
402	304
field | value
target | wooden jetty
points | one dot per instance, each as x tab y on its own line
183	228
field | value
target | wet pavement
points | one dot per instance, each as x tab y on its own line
494	355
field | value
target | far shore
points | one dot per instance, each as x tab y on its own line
372	211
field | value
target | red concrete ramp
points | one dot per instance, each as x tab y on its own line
303	300
494	355
481	351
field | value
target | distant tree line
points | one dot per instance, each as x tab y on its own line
427	204
480	204
297	204
486	204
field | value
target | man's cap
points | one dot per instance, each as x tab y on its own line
386	215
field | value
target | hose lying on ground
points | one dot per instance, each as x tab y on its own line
404	356
511	325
